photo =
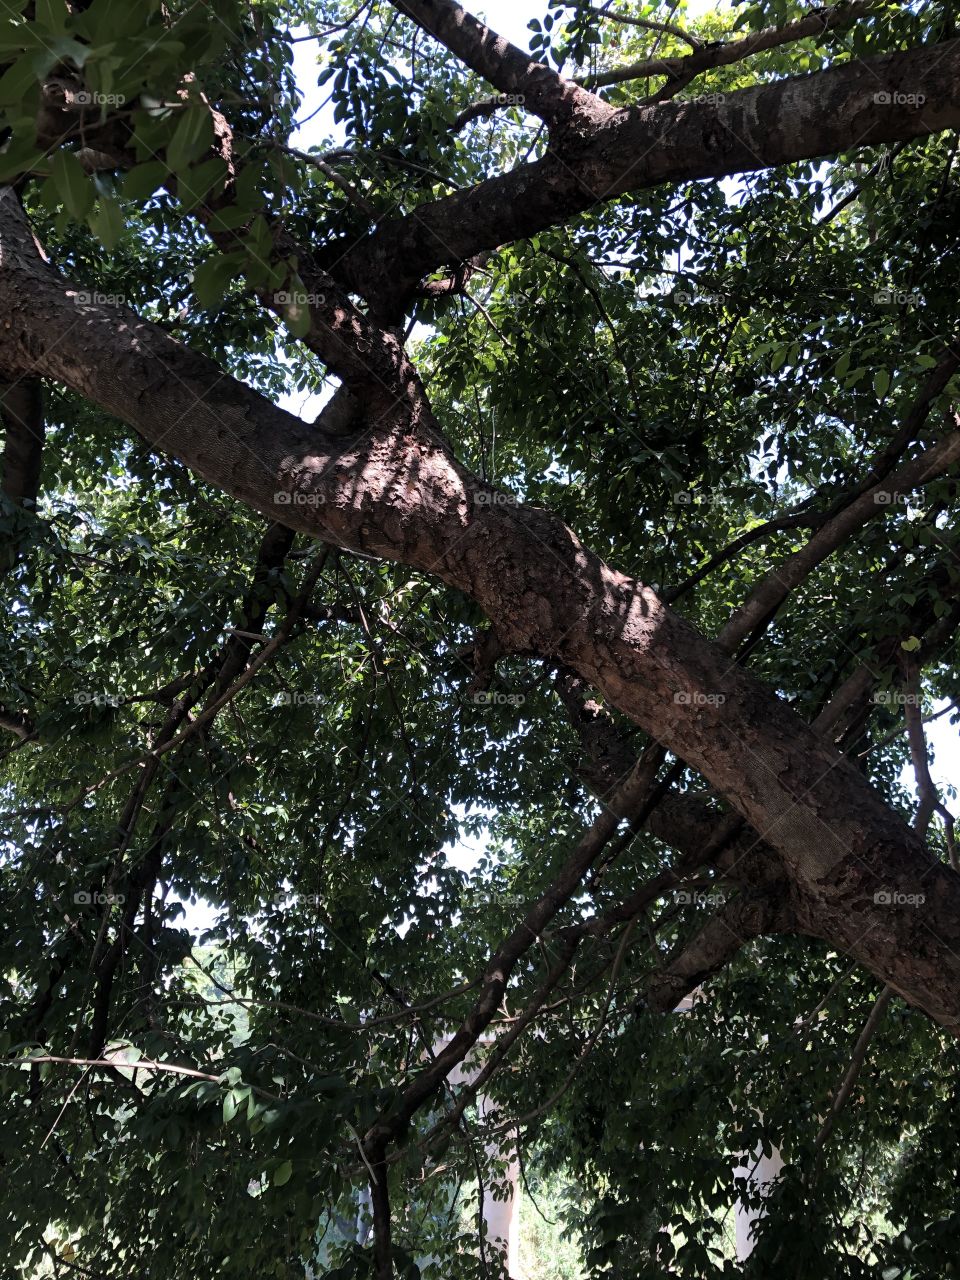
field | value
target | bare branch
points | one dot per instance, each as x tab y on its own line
336	177
648	24
929	797
857	1060
121	1064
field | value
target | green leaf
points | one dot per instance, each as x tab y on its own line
53	14
192	136
294	301
195	186
911	644
19	156
881	383
106	222
282	1174
213	277
65	48
73	185
17	81
144	179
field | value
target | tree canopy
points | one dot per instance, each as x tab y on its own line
621	551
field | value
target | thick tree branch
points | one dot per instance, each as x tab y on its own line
530	84
858	104
747	916
22	416
21	411
397	492
380	1205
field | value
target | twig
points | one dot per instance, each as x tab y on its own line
709	57
120	1065
856	1065
928	795
665	28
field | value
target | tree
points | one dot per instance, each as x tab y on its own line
622	541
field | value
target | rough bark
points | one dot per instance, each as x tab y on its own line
22	416
529	83
21	410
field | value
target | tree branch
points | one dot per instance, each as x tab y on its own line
857	1060
665	28
929	798
397	492
858	104
529	83
749	915
21	409
708	57
22	416
771	591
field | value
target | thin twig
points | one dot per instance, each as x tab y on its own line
857	1060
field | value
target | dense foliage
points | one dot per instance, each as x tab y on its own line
257	886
